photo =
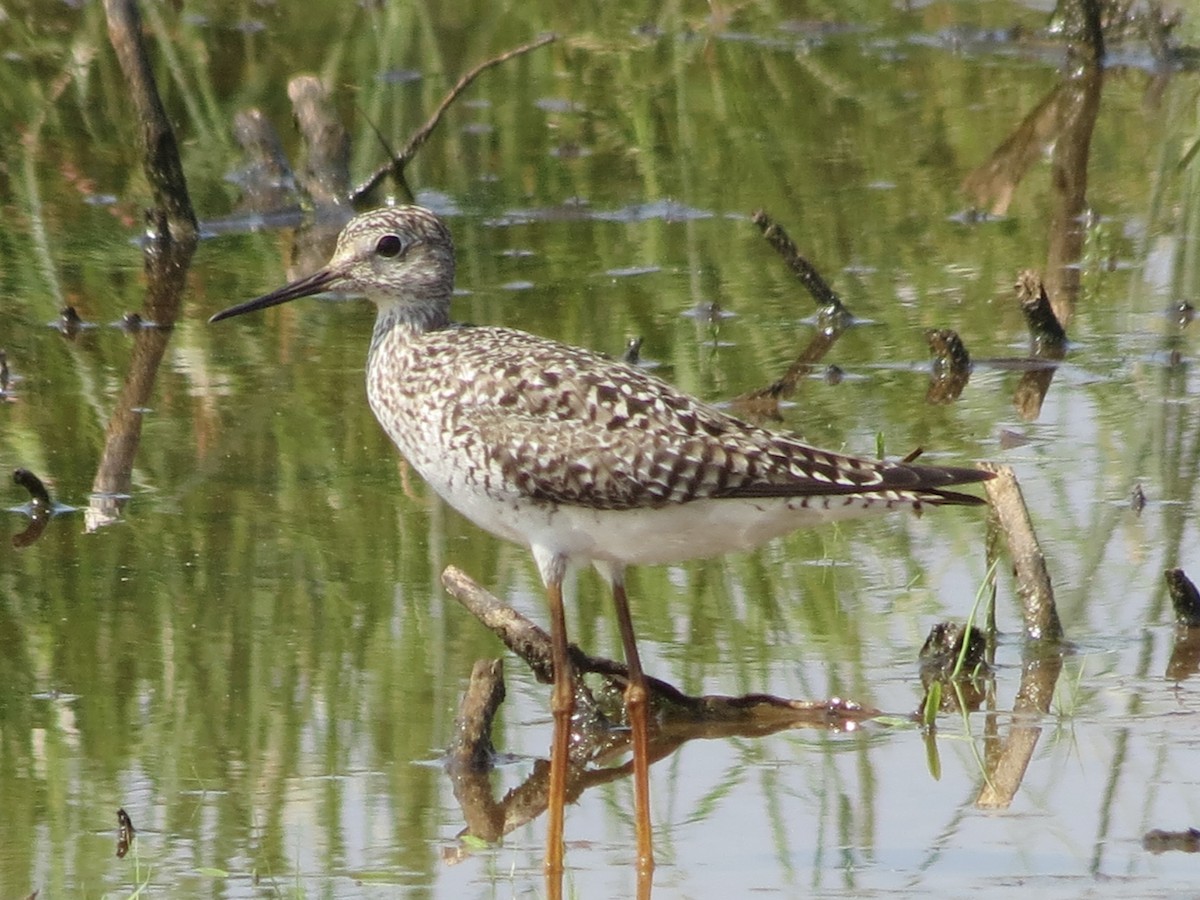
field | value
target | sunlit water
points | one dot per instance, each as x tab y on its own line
256	659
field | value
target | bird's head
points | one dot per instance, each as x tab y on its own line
401	257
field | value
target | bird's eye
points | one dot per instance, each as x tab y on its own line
389	246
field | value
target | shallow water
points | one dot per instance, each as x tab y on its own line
255	658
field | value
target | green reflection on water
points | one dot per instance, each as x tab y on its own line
257	657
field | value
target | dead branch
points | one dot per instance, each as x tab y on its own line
397	163
1046	333
830	303
675	710
472	746
1184	597
833	318
1029	565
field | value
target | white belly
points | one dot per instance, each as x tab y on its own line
652	536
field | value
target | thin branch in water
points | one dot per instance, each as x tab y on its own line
1029	564
1045	330
745	714
400	160
472	749
1185	598
825	296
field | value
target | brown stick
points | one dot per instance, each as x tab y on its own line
1184	597
1029	565
160	152
707	715
521	636
1045	331
825	296
400	160
472	746
834	317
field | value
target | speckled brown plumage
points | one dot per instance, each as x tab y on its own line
560	424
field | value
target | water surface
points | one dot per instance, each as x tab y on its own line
255	658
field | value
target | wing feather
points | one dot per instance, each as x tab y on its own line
567	425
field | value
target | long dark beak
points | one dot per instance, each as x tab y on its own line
303	287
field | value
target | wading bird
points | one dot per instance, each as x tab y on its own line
580	457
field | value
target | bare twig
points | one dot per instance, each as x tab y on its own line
1184	597
825	296
400	160
747	714
833	318
678	718
472	747
1045	331
1029	565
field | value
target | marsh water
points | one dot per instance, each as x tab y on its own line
248	648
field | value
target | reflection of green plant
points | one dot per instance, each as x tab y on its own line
141	879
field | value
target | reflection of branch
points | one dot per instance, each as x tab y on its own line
951	369
1007	760
1006	769
400	160
166	269
472	747
1068	176
325	174
764	402
1185	653
267	181
1159	841
1064	120
167	256
833	318
678	718
993	183
676	711
160	153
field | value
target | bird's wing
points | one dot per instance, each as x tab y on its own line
570	426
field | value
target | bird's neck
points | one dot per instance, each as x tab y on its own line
411	319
